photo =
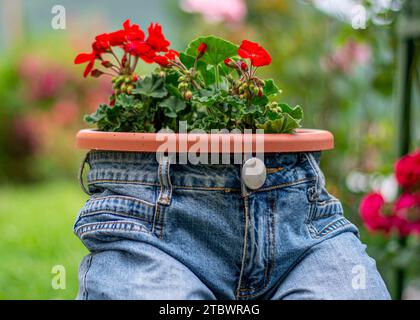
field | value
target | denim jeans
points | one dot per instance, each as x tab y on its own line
159	230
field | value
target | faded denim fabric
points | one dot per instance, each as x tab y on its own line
159	230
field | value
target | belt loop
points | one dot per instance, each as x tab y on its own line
165	194
80	174
320	178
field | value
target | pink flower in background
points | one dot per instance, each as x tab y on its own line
44	78
347	57
371	211
233	11
407	170
404	215
65	112
407	211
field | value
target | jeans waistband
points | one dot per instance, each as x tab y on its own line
144	168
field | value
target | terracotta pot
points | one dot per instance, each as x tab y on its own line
304	140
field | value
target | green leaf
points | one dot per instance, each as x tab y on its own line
296	112
289	124
217	49
261	101
270	88
172	106
151	86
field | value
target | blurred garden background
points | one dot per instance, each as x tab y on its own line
340	60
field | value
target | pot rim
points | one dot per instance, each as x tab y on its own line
304	140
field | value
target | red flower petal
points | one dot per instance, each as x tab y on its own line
156	39
164	60
84	57
88	68
116	38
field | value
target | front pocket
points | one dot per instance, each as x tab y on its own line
115	216
325	217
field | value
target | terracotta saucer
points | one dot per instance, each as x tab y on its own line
302	140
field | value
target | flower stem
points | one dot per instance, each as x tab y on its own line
400	272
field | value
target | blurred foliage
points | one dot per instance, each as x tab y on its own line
42	102
36	235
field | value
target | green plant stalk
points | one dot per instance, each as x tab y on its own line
400	273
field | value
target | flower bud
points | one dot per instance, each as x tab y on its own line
229	63
96	73
130	88
188	95
242	65
106	64
202	48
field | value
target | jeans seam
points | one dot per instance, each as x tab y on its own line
245	245
278	186
332	226
85	290
110	197
96	224
114	212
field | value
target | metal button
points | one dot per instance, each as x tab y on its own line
254	173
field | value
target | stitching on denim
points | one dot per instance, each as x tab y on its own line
104	198
269	267
327	229
119	226
206	188
333	226
156	217
328	202
124	182
162	225
85	291
319	181
274	170
283	185
245	245
114	212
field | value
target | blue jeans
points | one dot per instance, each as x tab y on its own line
157	230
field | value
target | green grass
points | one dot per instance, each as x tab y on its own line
36	234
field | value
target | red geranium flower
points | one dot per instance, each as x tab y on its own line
156	39
101	44
86	57
258	55
144	51
407	170
132	31
371	211
117	38
166	58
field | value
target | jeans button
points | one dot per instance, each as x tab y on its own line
254	173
